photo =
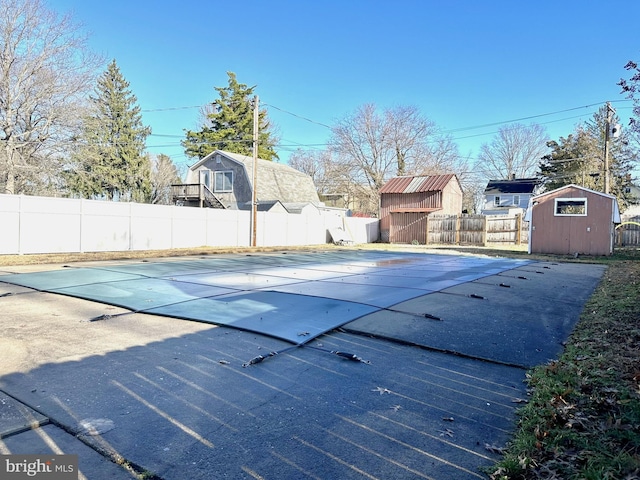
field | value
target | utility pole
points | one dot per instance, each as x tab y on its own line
606	147
254	190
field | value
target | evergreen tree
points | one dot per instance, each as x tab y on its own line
579	158
229	125
621	154
110	162
575	159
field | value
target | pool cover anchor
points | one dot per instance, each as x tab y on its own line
350	356
347	356
259	359
108	316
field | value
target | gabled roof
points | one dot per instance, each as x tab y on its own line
579	187
276	181
614	200
519	185
263	206
417	183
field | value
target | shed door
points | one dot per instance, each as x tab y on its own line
408	227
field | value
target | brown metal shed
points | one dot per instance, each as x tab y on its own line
405	203
572	220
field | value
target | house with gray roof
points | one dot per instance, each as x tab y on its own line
508	197
226	180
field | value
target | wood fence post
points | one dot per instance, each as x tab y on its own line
619	232
518	228
426	226
484	230
458	221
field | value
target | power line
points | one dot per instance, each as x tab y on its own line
298	116
170	108
529	117
292	144
494	132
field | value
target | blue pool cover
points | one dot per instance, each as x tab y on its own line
293	296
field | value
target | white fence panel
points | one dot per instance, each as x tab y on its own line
271	229
105	227
189	229
227	228
57	225
150	227
362	230
10	224
51	226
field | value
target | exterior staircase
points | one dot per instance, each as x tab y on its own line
195	194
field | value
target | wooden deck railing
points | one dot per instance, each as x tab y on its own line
195	192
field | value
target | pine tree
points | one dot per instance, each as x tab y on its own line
622	154
579	158
229	125
575	159
110	162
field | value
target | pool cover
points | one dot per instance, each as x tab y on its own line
290	296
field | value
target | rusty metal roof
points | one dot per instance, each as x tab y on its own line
415	210
417	184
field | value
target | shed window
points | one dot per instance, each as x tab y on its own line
496	201
571	207
223	182
516	200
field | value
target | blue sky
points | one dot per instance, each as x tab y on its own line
463	63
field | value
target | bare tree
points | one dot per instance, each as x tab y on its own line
333	179
164	173
312	163
408	134
46	73
473	185
379	146
516	150
437	156
373	146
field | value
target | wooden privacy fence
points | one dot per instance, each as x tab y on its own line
628	232
477	229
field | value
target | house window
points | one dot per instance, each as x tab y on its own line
496	201
570	207
516	200
223	181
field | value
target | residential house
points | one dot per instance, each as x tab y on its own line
509	197
405	203
226	180
631	199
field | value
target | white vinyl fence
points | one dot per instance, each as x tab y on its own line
58	225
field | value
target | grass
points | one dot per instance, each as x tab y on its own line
582	420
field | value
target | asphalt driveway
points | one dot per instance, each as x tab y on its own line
292	365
